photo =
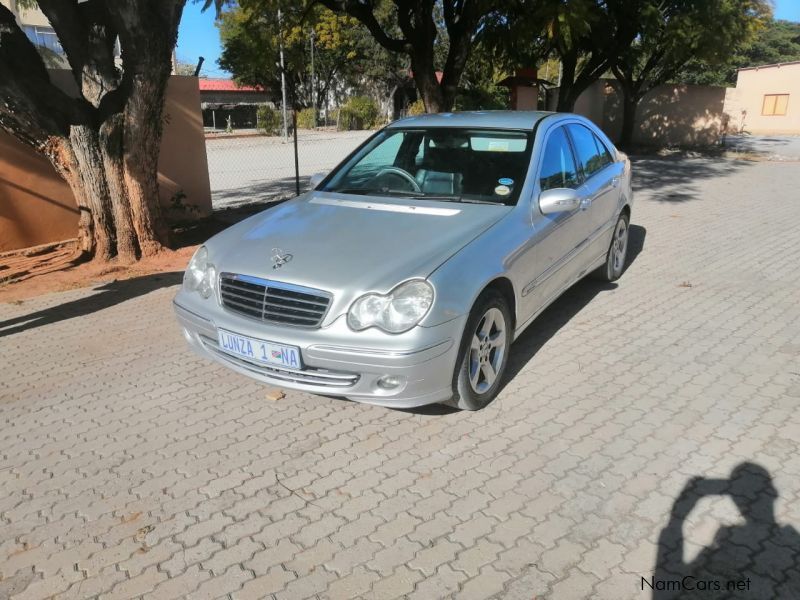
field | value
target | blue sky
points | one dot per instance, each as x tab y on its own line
199	37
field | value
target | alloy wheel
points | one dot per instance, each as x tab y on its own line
486	352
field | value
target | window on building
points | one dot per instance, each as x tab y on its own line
44	37
775	105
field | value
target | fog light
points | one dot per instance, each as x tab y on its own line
391	382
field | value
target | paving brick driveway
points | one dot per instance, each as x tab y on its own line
128	467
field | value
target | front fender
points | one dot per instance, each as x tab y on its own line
461	278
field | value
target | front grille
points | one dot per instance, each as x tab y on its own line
307	376
272	301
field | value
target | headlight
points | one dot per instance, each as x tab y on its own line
395	312
200	275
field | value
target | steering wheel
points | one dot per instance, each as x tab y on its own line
403	174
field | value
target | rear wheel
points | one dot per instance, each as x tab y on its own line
483	354
617	252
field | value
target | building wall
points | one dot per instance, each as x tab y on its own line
744	102
37	207
670	114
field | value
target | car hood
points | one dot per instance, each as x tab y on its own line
347	244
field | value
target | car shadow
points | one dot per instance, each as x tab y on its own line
547	324
105	296
563	309
752	558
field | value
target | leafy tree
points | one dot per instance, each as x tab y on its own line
416	28
105	142
778	41
252	34
586	36
672	32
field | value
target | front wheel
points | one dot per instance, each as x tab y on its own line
483	354
617	252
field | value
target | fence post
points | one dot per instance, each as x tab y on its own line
296	163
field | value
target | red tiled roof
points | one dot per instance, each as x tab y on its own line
225	85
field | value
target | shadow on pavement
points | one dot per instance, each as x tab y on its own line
559	313
260	192
672	178
756	559
105	296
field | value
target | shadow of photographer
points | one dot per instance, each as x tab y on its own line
756	559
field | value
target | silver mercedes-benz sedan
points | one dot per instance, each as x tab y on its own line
406	273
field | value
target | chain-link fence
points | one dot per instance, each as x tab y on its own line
247	166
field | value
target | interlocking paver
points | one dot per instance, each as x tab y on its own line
129	467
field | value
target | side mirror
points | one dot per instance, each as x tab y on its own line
316	179
558	200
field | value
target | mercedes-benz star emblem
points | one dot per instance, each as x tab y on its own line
280	258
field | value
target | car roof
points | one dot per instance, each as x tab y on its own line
500	119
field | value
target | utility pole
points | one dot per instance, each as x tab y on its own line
313	81
283	79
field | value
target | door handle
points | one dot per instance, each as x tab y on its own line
614	181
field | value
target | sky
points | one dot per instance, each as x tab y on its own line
199	37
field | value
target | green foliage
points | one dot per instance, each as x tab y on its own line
359	112
269	120
306	118
345	53
417	107
673	32
778	41
492	97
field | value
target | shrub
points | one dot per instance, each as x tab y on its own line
359	112
416	108
305	119
269	120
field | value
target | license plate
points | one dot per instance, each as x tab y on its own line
259	350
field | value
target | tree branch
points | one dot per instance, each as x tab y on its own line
364	13
32	109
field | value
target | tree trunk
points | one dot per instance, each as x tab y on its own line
93	190
429	89
566	97
142	143
61	156
630	102
111	146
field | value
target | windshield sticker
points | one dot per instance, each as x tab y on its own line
502	190
505	181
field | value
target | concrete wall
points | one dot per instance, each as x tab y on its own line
744	102
668	115
37	207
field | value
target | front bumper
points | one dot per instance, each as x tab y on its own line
336	360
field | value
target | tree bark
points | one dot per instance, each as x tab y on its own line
93	191
111	146
142	142
61	156
630	103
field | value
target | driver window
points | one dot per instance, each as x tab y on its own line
558	164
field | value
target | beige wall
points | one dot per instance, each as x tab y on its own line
26	16
668	115
37	207
748	95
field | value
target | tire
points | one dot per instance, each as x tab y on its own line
617	252
473	386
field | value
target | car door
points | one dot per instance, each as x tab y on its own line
549	263
601	188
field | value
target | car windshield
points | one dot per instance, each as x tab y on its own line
451	164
